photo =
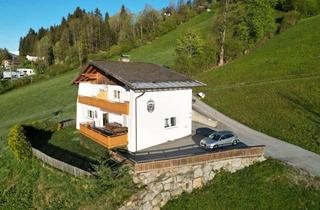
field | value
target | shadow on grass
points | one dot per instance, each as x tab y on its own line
40	139
303	105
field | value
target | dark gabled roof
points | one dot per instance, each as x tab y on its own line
139	76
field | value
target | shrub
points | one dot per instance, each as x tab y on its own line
289	19
19	144
110	179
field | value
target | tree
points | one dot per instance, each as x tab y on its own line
259	18
5	55
223	31
189	49
190	44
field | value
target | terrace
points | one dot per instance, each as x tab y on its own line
110	136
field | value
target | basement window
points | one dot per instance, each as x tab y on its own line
170	122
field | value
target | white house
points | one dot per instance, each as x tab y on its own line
136	105
6	64
34	58
10	74
26	72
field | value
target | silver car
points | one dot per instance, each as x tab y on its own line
219	139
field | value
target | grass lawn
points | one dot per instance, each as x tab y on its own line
274	89
69	146
32	185
161	50
39	101
267	185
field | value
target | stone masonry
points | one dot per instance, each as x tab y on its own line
159	186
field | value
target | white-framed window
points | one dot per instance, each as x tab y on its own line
92	114
125	121
170	122
116	94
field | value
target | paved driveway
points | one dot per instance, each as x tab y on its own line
186	146
275	148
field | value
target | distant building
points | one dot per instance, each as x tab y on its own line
6	64
34	58
133	105
125	58
10	74
25	72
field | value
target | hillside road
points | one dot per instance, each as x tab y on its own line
275	148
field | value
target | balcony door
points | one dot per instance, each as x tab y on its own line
105	118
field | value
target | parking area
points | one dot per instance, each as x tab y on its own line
187	146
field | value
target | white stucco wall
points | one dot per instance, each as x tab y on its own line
150	126
88	89
151	130
82	115
124	94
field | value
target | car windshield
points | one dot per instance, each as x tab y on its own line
215	136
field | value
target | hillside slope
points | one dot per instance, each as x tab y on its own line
161	50
274	89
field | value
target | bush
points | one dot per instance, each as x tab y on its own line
19	144
289	19
115	181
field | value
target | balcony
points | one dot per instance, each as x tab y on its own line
109	106
109	138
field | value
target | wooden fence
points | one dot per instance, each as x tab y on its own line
59	164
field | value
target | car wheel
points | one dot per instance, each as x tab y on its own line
235	142
215	146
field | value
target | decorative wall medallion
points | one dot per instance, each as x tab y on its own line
150	106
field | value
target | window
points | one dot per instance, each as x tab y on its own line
166	123
125	120
170	122
116	94
173	121
90	114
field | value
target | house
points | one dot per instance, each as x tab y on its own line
34	58
136	105
26	72
6	64
10	74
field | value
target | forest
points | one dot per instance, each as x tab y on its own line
240	26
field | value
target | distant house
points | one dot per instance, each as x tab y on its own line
26	72
168	11
34	58
6	64
136	105
10	74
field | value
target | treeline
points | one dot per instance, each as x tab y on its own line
5	54
240	26
85	34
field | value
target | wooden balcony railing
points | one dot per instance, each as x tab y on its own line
104	140
115	107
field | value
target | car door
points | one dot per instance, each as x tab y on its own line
222	140
229	138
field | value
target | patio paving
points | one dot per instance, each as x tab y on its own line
186	146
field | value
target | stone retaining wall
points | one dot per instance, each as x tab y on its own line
160	185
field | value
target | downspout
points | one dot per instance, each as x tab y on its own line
136	118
